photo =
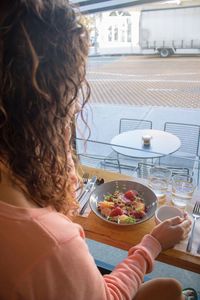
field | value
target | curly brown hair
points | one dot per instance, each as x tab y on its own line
43	58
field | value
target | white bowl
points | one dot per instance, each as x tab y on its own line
166	212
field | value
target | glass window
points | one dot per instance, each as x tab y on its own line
115	33
129	30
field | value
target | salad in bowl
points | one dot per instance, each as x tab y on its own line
123	202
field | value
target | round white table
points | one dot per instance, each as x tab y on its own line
162	143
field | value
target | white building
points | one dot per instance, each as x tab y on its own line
117	32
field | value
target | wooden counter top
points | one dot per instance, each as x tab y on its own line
125	237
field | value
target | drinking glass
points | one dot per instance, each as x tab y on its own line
183	187
158	181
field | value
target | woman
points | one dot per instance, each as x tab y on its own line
43	254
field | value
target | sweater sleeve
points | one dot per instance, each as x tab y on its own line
127	277
69	272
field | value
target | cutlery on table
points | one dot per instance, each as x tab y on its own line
99	181
86	181
88	187
195	215
86	194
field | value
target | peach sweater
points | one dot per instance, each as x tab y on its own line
44	257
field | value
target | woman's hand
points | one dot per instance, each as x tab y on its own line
171	231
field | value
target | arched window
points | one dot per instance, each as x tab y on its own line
113	14
119	27
120	13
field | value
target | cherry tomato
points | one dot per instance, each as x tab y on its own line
138	214
117	211
131	194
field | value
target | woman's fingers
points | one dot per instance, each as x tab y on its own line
175	221
186	227
186	223
171	231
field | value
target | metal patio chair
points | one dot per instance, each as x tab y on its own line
93	153
132	124
143	169
188	154
126	124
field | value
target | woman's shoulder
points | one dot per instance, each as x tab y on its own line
59	227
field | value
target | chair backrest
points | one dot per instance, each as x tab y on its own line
92	148
132	124
144	168
189	135
96	154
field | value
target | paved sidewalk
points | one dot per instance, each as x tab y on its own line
145	81
104	119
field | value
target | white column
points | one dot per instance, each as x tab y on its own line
135	30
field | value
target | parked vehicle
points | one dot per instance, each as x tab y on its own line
170	31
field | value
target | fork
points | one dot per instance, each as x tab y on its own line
81	187
196	216
85	199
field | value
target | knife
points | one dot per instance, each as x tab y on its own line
87	187
86	195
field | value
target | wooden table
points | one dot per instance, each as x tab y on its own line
124	238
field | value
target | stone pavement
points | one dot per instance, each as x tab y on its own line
142	87
145	81
104	119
